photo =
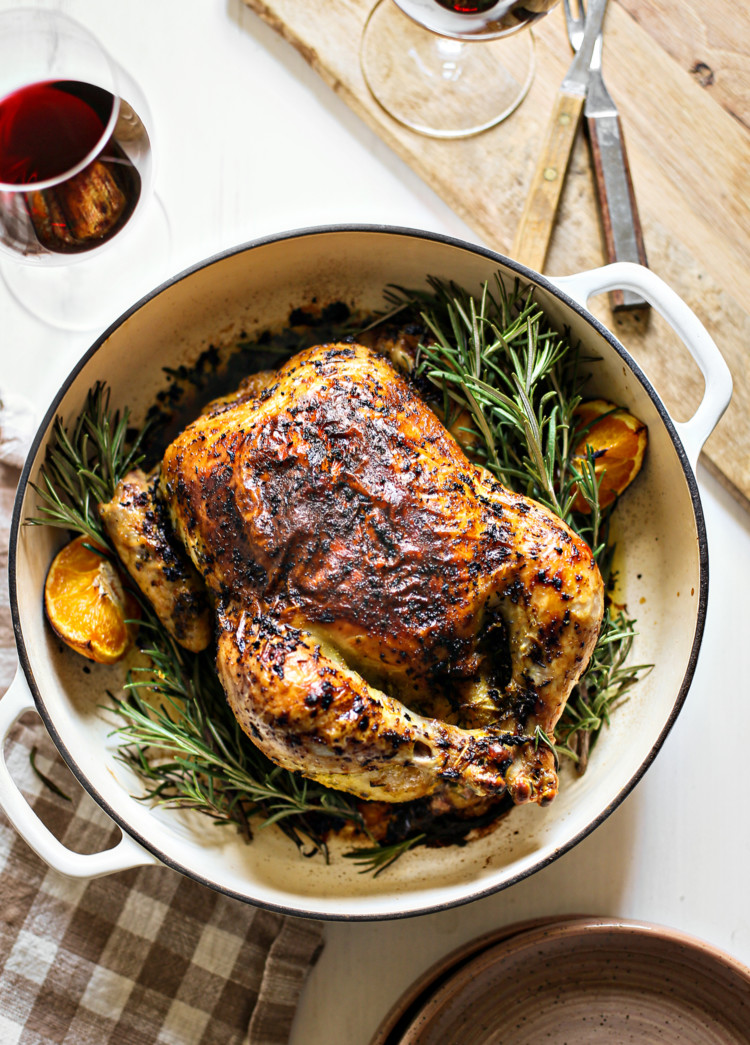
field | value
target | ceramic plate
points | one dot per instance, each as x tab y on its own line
580	982
400	1016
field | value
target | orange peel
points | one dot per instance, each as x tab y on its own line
618	442
87	604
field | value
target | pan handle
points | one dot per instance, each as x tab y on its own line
127	852
625	275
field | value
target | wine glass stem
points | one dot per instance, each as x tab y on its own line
442	86
452	54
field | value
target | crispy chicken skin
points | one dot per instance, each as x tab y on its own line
134	520
393	621
326	722
248	389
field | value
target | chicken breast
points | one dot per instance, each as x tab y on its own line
393	621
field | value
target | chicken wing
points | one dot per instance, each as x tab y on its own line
134	520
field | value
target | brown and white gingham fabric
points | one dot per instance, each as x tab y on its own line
142	957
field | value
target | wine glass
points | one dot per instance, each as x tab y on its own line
81	233
450	68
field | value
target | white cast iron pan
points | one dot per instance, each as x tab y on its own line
663	566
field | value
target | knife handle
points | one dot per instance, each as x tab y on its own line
623	236
538	218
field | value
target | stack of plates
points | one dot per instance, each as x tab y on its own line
576	981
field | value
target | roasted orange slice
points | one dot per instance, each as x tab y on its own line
618	441
87	604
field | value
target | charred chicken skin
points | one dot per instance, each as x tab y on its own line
392	622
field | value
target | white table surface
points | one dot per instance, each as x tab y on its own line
249	142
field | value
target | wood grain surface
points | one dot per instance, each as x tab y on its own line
679	71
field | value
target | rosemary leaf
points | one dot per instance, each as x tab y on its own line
48	783
380	857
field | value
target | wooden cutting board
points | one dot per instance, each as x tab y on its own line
679	71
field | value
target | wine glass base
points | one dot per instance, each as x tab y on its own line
91	292
439	87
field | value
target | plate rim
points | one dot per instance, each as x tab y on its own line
554	928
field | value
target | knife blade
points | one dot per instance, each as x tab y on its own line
621	224
540	209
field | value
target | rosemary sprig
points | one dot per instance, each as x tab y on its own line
182	739
379	857
84	465
48	783
497	357
603	688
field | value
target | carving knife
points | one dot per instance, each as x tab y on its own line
534	232
623	236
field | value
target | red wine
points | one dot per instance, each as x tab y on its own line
47	129
475	19
467	7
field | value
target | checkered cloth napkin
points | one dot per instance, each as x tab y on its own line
142	957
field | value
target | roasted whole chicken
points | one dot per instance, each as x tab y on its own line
392	622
